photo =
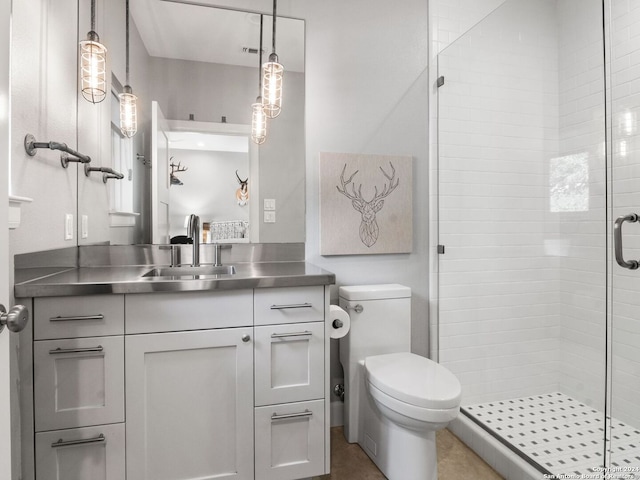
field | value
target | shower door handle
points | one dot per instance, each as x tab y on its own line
617	241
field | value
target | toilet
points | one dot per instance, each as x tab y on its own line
395	400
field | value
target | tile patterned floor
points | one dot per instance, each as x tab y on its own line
561	434
455	461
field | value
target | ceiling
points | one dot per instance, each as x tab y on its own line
181	30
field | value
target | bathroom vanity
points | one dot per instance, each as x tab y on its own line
178	377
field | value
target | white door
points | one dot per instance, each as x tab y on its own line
5	414
159	176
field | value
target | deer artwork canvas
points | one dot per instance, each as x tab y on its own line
365	204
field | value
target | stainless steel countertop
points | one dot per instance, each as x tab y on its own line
129	279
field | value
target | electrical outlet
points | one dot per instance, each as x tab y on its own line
68	226
269	217
85	226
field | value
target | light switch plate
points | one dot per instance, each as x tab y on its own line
270	204
269	217
68	226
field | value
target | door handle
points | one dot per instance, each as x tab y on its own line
16	319
617	241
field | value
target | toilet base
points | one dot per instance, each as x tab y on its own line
400	453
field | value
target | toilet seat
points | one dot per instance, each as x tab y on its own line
408	415
413	380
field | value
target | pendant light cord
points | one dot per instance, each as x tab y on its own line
259	61
273	32
127	42
93	15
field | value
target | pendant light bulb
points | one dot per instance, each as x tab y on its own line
272	73
93	67
258	122
128	112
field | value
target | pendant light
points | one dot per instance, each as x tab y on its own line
93	64
128	106
272	72
258	115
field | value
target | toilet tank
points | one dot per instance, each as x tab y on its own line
383	325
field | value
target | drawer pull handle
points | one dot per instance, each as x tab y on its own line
293	305
77	318
59	350
306	333
306	413
67	443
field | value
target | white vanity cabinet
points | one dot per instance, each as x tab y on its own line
290	382
200	385
190	393
78	385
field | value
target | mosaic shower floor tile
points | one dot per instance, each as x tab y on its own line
563	435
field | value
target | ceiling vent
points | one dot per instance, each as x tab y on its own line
252	50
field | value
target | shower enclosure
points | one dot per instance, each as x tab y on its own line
539	295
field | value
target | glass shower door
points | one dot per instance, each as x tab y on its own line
624	371
523	228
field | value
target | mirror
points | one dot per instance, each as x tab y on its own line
200	64
216	181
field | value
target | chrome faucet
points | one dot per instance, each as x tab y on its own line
193	231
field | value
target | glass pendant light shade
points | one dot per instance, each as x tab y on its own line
128	112
93	66
272	73
258	122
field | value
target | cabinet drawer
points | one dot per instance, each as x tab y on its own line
78	382
85	316
290	441
81	453
289	362
289	305
153	312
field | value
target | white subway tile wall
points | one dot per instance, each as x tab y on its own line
500	300
582	271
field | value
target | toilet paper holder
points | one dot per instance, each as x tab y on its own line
339	323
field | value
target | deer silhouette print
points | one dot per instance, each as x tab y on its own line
369	229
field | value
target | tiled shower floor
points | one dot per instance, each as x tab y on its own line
562	434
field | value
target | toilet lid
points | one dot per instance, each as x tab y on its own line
414	379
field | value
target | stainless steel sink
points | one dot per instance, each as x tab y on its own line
202	271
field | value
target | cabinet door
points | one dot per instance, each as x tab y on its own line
95	453
290	441
289	363
189	398
78	382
